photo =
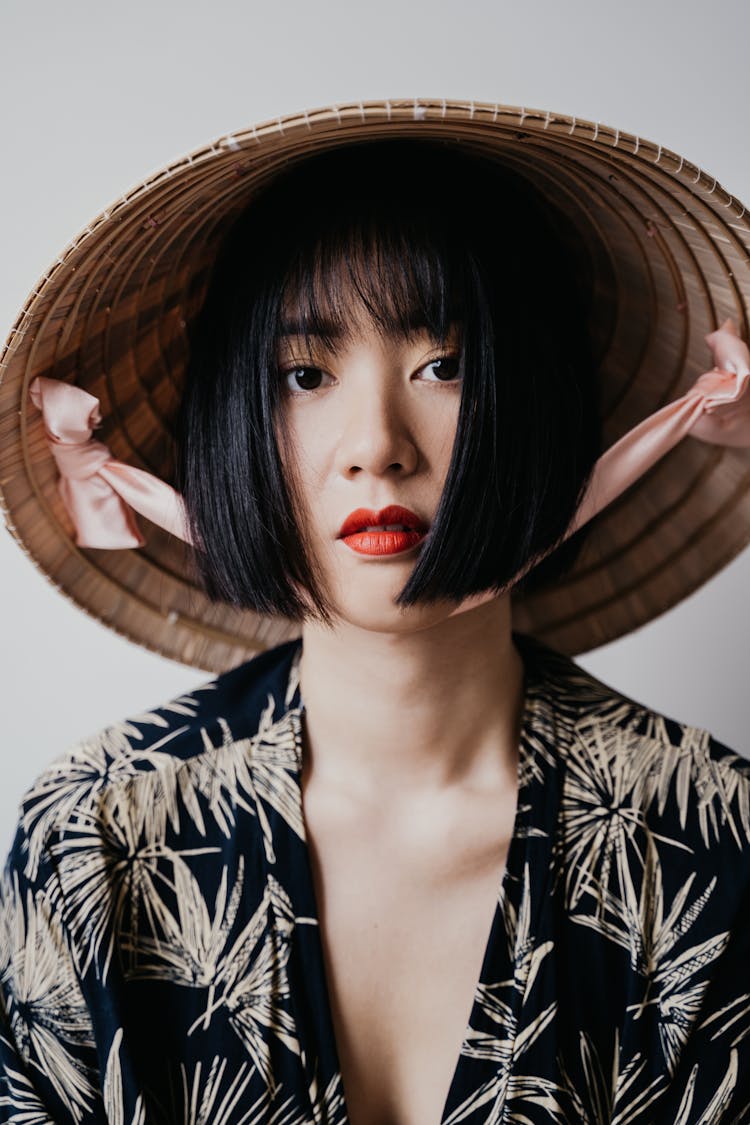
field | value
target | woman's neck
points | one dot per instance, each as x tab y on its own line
392	716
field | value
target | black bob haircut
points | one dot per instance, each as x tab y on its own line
422	233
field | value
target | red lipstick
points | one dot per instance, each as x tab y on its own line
377	540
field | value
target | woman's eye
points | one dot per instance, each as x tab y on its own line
299	379
448	368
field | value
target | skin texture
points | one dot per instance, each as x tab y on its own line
435	700
410	731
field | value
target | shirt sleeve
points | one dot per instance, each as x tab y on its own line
48	1059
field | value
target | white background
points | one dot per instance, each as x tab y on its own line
94	97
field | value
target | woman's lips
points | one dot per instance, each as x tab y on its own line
382	542
388	532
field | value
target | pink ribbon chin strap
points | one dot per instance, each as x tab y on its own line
101	493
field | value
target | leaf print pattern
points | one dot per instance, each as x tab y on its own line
160	949
609	1095
275	766
105	876
657	952
47	1021
21	1101
113	1092
719	1102
79	775
245	979
738	1023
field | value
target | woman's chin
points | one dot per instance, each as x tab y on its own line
373	607
363	595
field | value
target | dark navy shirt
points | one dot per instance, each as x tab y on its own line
161	956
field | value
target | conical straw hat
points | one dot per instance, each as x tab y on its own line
668	251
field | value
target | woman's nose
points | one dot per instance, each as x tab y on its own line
375	435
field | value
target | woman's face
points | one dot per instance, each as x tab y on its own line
368	427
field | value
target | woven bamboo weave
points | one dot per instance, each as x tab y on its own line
667	248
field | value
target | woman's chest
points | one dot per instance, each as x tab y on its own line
404	939
395	945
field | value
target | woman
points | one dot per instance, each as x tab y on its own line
413	865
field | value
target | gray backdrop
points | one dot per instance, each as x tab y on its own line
94	97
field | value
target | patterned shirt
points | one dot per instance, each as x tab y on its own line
160	947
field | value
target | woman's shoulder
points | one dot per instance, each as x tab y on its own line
624	753
145	759
594	708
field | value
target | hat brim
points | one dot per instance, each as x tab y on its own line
667	248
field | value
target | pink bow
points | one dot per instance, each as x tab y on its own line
716	409
100	492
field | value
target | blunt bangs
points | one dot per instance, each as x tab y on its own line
408	235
